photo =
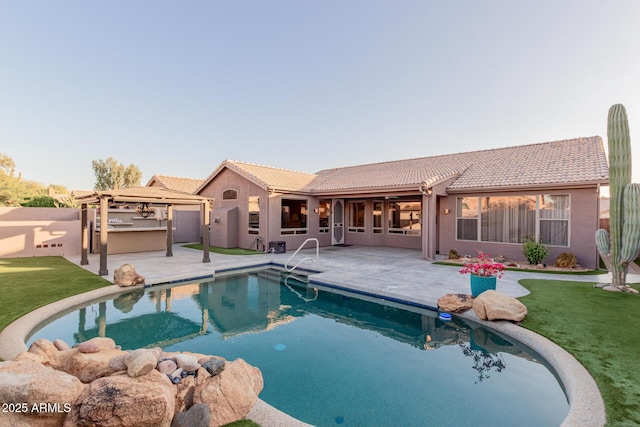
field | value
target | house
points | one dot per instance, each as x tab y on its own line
488	200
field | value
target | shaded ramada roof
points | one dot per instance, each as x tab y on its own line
567	162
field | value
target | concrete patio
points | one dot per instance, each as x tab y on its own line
390	272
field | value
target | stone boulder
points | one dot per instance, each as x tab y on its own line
126	275
493	305
96	344
232	393
140	362
455	303
119	400
45	349
44	394
90	366
197	416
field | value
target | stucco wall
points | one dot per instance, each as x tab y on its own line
584	218
229	180
28	232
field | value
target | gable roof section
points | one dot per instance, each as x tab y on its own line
579	161
265	177
183	185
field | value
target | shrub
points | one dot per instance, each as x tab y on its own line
453	254
566	260
40	202
535	252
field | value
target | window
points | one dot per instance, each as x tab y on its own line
554	219
377	217
404	218
323	216
467	218
511	219
254	215
230	195
508	219
356	217
294	216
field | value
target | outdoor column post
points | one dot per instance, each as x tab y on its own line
428	224
204	208
169	230
104	225
431	226
84	235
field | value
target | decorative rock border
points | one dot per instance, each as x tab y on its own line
104	385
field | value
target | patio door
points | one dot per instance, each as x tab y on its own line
337	222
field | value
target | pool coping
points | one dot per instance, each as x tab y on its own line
586	407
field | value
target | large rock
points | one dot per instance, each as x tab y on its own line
90	366
186	388
197	416
119	400
45	349
455	303
96	344
140	362
188	362
232	393
493	305
126	275
45	393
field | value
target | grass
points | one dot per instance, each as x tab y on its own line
30	283
224	251
600	329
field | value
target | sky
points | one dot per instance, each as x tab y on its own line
176	88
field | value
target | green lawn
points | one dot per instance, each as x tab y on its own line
30	283
601	329
225	251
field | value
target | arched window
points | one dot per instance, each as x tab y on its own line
230	195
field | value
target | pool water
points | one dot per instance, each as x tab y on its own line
334	359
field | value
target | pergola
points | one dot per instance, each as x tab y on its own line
144	197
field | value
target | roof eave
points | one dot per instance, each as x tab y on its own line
536	187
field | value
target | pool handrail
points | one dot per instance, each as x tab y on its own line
286	264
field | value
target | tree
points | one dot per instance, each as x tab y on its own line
111	175
14	191
7	165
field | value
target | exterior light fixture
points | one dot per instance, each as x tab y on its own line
144	210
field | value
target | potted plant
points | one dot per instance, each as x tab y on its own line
484	273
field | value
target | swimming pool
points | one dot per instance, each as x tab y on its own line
328	358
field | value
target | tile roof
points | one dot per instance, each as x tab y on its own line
580	160
572	161
184	185
266	176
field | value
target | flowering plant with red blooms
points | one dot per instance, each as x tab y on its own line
484	267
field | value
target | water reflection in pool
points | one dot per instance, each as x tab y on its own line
330	358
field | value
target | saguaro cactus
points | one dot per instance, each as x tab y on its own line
623	243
